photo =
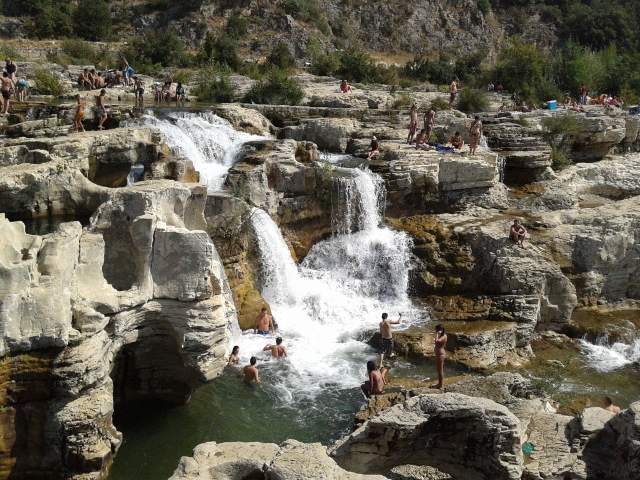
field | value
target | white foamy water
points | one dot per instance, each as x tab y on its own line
340	290
210	142
605	357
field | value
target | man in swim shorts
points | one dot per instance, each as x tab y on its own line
264	323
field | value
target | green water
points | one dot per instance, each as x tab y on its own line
228	410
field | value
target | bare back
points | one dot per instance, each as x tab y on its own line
385	329
250	374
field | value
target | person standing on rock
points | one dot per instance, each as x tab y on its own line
11	68
475	132
79	115
429	121
7	87
517	233
376	382
250	372
277	350
385	333
439	348
453	92
413	123
101	109
264	323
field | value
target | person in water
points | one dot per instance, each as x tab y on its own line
376	380
387	337
250	372
610	406
440	343
517	233
264	322
277	350
234	358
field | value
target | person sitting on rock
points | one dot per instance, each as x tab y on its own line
610	406
517	233
421	140
345	87
277	350
99	81
456	141
264	323
374	149
250	372
234	358
83	80
376	382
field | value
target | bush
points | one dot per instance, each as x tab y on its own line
281	57
559	159
327	64
358	66
237	26
156	48
521	69
401	101
92	20
472	100
222	50
80	51
557	131
47	83
440	103
214	86
484	6
51	19
181	76
276	89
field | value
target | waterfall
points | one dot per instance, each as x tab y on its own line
340	290
210	142
135	174
605	357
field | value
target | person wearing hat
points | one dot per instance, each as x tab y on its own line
374	149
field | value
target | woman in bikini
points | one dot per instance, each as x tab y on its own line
441	353
475	132
77	119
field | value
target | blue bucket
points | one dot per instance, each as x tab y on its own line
552	105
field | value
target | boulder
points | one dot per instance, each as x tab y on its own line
467	437
245	119
331	134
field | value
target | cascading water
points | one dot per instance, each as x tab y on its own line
339	291
210	142
606	357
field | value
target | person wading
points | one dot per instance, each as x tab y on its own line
277	350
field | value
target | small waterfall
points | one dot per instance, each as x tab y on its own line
605	357
502	163
359	204
135	174
210	142
340	290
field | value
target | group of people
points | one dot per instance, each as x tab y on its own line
377	372
422	139
10	85
264	325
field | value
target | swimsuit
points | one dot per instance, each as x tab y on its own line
387	346
6	94
263	332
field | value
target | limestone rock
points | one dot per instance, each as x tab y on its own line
245	119
331	134
467	437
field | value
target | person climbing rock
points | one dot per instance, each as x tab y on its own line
234	358
277	350
517	233
439	348
250	372
264	323
376	380
387	337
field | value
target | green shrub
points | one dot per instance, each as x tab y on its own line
47	83
51	19
473	100
281	57
521	68
484	6
214	86
7	51
440	103
327	64
557	132
92	20
251	70
357	65
161	48
401	101
237	26
222	50
80	51
276	89
559	159
181	76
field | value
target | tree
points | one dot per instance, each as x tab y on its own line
92	20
